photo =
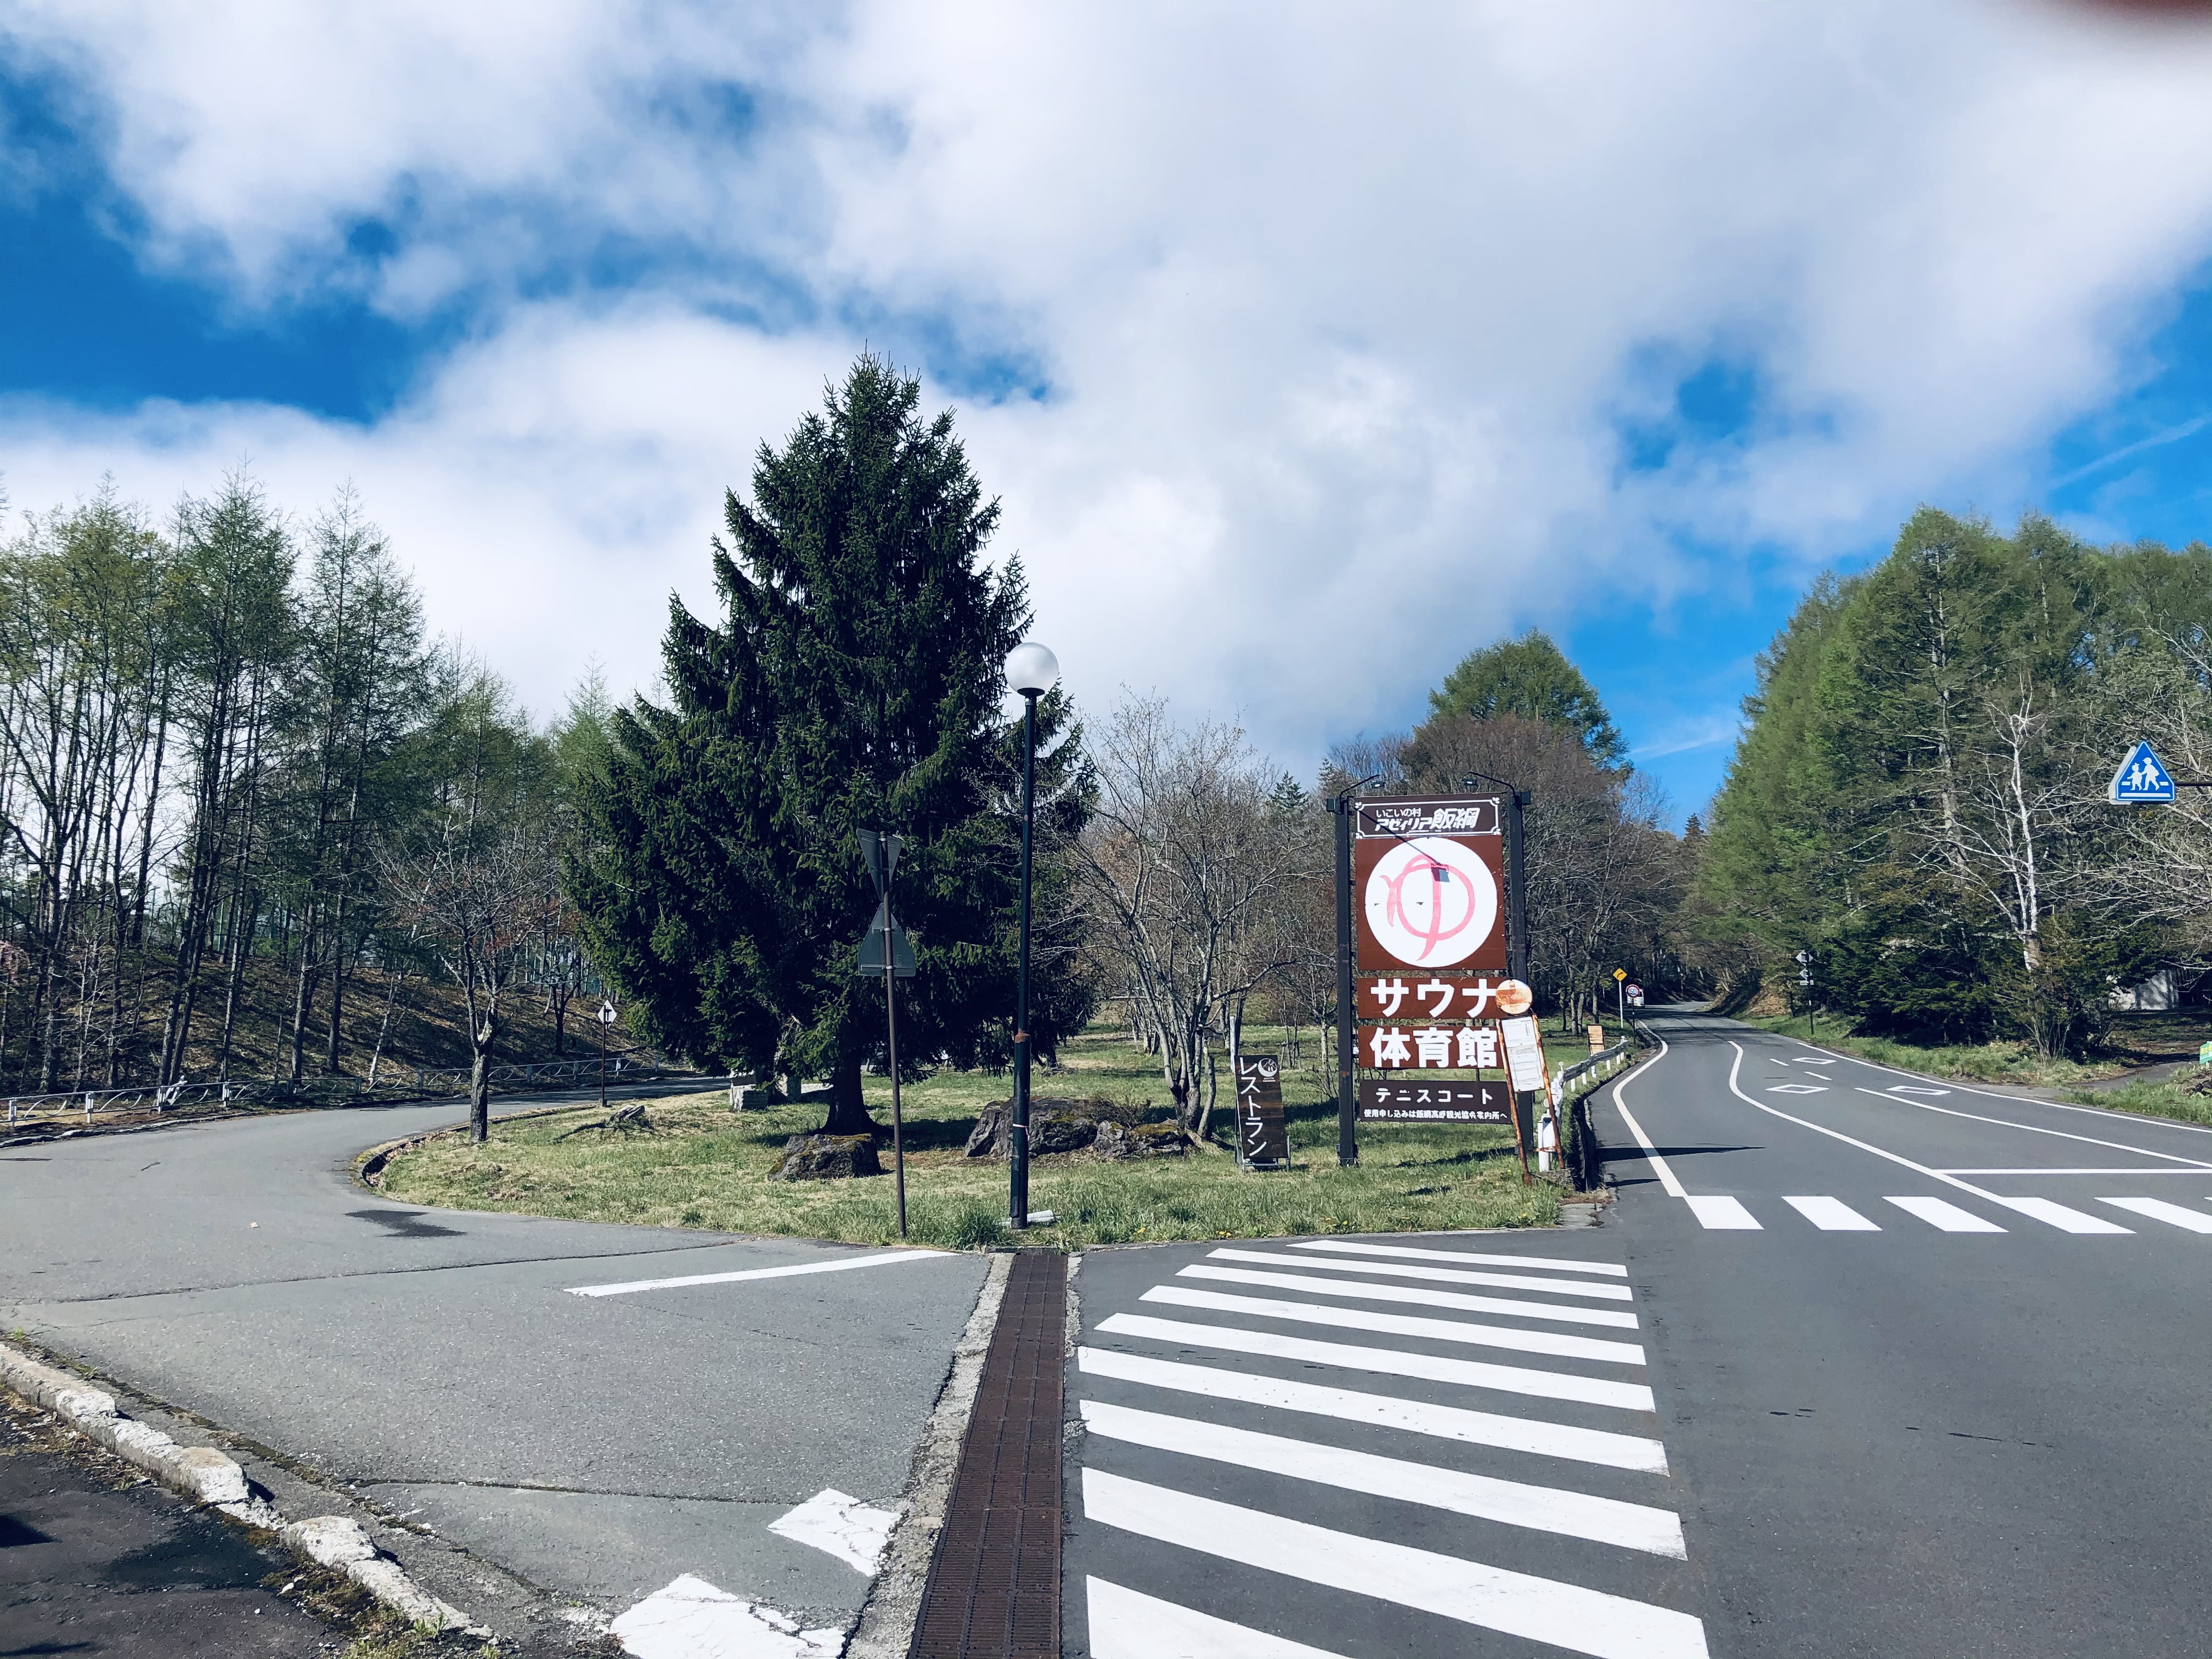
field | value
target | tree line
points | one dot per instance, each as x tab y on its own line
1917	800
236	777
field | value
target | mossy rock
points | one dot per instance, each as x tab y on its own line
1118	1140
1056	1125
828	1158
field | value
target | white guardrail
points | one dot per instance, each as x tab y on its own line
416	1083
1585	1075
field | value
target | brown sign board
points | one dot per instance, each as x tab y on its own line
1433	903
1262	1136
1400	818
1440	1100
1429	998
1429	1048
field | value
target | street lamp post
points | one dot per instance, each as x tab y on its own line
1031	671
606	1018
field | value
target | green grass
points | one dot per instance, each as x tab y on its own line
2148	1100
1984	1062
705	1167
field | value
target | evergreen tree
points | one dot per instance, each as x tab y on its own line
1531	677
853	683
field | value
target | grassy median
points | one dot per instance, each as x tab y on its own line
701	1165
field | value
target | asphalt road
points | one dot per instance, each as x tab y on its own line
96	1560
1860	1364
598	1446
1944	1394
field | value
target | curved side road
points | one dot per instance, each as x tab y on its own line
598	1446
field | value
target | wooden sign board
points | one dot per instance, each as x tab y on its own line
1428	886
1441	1100
1262	1136
1429	1048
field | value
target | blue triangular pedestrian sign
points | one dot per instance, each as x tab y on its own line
2141	781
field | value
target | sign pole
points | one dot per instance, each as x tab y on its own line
1347	1053
891	1022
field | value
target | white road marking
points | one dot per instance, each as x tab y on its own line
2059	1216
2159	1210
689	1618
1675	1187
1723	1214
1125	1624
1437	1330
1547	1264
1443	1275
1949	1217
1831	1215
837	1265
2039	1171
1798	1089
1514	1502
1852	1140
2038	1129
841	1525
1521	1434
1907	1089
2049	1105
1519	1604
1421	1295
1388	1361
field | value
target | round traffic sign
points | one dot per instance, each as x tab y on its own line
1430	902
1515	998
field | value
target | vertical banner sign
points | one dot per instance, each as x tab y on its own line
1524	1065
1428	882
1262	1139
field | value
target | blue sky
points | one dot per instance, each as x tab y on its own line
1303	369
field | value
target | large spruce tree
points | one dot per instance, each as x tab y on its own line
853	683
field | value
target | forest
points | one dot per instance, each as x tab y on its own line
249	805
259	823
1917	800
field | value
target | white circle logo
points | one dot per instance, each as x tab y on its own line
1432	902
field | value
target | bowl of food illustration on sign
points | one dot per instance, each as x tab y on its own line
1430	902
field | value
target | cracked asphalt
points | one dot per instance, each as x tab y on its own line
432	1360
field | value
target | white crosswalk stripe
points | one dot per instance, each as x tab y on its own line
1443	1275
2197	1221
1439	1330
1189	1458
1517	1603
1418	1295
1522	1434
1948	1217
2066	1220
1724	1214
1547	1264
1831	1215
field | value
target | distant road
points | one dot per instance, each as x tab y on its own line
597	1445
1931	1361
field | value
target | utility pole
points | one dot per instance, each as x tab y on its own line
1347	1053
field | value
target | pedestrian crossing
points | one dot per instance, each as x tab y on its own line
1307	1451
1721	1213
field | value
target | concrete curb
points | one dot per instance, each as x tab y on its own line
885	1630
215	1480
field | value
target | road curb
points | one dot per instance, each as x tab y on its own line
885	1630
215	1480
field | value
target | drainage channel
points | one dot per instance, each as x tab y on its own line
993	1588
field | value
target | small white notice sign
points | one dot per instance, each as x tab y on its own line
1524	1052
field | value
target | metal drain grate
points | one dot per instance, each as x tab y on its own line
995	1584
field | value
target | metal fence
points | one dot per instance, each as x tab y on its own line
1571	1090
406	1082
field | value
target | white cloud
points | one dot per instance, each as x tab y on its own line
1335	307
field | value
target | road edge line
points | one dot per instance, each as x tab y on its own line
885	1627
214	1480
